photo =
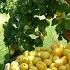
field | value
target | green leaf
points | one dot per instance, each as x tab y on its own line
63	7
37	33
60	37
54	22
67	24
44	33
42	25
38	42
60	28
41	6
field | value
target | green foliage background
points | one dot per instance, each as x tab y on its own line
22	22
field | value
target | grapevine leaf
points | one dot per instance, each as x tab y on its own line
67	24
54	22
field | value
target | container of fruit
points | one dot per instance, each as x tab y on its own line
56	57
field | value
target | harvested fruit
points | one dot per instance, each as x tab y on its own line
41	65
33	68
45	55
55	57
48	62
36	59
68	46
58	62
55	45
54	68
14	66
58	51
64	60
67	66
52	65
24	66
48	69
7	66
62	67
21	59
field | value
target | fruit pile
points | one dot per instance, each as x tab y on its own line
56	57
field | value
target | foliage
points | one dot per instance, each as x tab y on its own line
23	23
7	5
62	22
